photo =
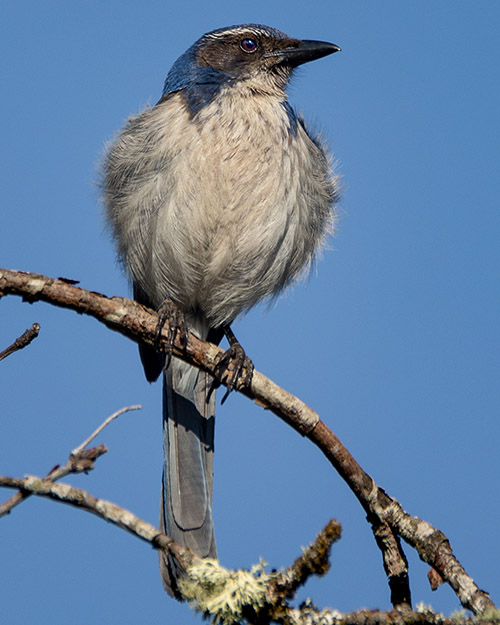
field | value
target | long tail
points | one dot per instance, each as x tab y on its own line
188	428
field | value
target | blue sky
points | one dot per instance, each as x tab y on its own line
394	340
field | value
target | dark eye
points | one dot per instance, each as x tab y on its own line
248	45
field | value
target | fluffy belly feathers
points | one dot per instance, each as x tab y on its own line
228	211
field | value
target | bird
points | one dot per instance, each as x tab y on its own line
218	197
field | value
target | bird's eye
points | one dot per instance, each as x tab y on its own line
248	45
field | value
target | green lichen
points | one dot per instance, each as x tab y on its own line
493	614
221	594
458	615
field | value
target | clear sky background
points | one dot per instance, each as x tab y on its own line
394	341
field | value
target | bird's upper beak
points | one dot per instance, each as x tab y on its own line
306	51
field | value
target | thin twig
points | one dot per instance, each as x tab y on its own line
116	414
81	463
80	460
25	339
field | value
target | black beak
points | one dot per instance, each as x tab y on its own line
306	51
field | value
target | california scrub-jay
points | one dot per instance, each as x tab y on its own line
218	197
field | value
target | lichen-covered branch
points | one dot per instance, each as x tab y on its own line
314	560
79	498
430	543
395	563
309	614
233	597
389	521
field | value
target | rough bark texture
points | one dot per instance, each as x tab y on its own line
388	519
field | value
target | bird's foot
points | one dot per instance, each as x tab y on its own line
229	370
169	312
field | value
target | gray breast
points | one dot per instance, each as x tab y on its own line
220	213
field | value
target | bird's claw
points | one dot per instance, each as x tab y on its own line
168	311
229	370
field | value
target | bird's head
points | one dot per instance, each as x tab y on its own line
257	55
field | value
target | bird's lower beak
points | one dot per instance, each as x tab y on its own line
306	51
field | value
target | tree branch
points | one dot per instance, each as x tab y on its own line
21	342
387	517
230	597
314	560
80	460
79	498
78	450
